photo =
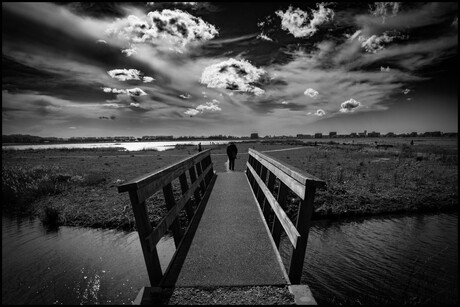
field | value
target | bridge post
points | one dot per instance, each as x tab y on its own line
303	226
144	229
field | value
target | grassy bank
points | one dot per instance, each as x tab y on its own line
78	187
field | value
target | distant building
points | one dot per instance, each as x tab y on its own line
254	135
304	136
318	135
332	134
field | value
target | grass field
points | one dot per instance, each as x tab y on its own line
78	187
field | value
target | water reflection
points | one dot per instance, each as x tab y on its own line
399	259
405	259
71	265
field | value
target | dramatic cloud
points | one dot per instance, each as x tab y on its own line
129	51
135	104
174	26
383	9
300	24
192	112
384	69
186	96
125	74
377	43
101	41
311	92
129	74
235	75
132	92
135	92
455	23
264	37
147	79
349	105
211	106
406	91
284	102
320	112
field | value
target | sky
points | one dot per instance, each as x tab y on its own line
210	68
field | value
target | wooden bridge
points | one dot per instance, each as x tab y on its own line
226	226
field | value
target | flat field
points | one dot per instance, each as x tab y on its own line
362	179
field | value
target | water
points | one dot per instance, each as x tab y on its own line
383	260
72	265
129	146
368	261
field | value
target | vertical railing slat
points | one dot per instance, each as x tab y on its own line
193	178
184	189
276	229
270	185
144	228
170	203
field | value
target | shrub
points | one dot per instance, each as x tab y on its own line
94	178
50	216
21	186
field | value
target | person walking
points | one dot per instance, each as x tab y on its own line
232	151
199	147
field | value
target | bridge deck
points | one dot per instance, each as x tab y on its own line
232	245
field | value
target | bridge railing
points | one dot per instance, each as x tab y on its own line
200	169
262	172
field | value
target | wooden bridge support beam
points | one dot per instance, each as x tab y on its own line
303	227
144	229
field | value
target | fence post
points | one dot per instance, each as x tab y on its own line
303	227
144	229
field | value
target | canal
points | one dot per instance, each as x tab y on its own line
392	259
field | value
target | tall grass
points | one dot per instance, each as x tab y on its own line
22	186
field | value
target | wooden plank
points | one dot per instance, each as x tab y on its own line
164	175
299	175
199	171
166	222
297	187
281	198
152	261
303	225
289	228
171	204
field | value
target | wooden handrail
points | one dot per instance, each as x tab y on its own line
299	182
143	187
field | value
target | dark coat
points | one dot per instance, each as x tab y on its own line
232	151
